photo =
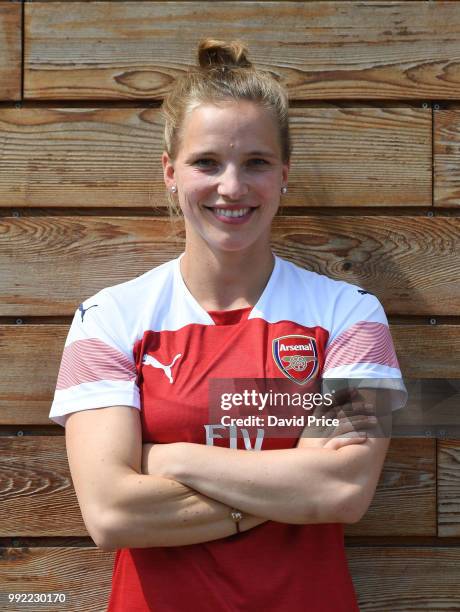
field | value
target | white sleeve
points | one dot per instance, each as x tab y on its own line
97	366
360	346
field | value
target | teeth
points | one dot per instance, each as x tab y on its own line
232	213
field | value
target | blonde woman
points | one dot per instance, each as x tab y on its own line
200	520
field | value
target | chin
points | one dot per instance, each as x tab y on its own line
230	246
236	247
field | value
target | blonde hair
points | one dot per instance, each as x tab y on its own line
223	73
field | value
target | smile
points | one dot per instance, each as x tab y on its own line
231	215
240	212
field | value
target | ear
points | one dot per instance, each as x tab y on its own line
168	170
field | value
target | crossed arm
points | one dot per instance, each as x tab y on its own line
297	485
190	487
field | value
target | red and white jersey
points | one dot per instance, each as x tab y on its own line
148	343
128	341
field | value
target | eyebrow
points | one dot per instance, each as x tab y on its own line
251	153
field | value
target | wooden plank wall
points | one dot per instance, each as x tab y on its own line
374	197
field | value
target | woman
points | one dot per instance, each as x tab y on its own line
196	520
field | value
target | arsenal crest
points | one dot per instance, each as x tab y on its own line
296	356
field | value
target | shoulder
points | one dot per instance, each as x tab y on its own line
323	287
315	299
121	307
142	285
130	295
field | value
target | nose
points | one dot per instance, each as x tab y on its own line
232	184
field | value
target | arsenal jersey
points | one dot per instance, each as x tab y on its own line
148	343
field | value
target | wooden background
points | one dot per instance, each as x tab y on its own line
374	199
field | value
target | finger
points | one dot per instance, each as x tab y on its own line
336	443
346	424
353	423
347	410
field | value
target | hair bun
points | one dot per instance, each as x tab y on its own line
220	54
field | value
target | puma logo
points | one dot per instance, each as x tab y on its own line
84	310
149	360
362	292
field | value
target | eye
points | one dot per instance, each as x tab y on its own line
258	162
204	163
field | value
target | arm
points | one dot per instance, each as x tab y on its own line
296	485
320	481
154	511
122	507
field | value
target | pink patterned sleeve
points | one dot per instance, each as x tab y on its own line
97	367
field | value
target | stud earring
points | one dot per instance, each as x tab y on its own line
173	189
284	189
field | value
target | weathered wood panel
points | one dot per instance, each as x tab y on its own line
10	51
84	157
428	351
30	356
448	481
411	265
346	154
40	498
446	160
319	49
385	578
385	255
83	574
402	579
405	500
27	387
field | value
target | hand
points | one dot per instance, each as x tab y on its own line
345	439
356	423
350	430
360	422
339	441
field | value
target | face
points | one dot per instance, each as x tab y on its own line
228	173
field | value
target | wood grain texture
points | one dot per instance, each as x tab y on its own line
405	499
84	157
48	265
345	154
30	356
10	51
446	156
396	579
428	351
28	386
332	50
415	579
448	482
383	255
38	497
84	574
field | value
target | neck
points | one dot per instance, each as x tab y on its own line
226	280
